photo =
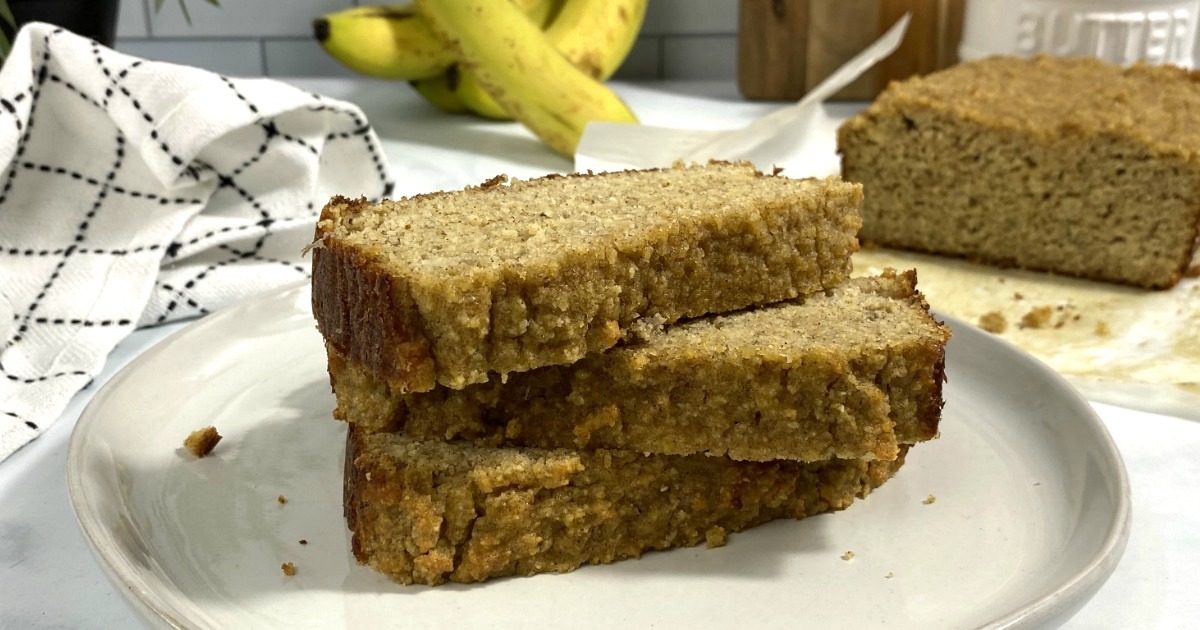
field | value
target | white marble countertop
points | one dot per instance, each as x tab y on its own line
49	578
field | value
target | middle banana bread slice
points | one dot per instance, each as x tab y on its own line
851	373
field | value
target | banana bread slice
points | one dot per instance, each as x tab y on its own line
431	512
446	288
1068	165
852	373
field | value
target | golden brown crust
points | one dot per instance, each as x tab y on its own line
933	352
368	315
433	512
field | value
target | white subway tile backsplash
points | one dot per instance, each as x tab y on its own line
242	18
681	39
643	62
301	57
693	17
241	57
131	19
700	57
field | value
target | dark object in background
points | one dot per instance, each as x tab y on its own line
787	47
96	19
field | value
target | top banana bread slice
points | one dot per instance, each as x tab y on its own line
1066	165
446	288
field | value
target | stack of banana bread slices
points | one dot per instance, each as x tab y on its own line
576	369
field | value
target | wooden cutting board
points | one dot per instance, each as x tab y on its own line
786	47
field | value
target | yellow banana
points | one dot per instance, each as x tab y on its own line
438	91
512	59
395	41
474	96
461	88
595	35
456	92
387	42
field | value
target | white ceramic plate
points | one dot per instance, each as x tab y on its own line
1031	512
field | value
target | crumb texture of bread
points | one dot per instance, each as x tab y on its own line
202	441
852	373
447	288
1068	165
432	512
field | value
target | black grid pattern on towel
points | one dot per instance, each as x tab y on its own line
226	246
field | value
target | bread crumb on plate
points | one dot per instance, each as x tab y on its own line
993	322
289	569
281	499
1039	317
848	556
201	442
929	500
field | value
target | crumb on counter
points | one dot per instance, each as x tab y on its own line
993	322
929	500
281	499
889	575
201	442
289	569
303	541
715	537
848	556
1039	317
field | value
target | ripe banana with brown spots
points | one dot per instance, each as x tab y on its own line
395	41
519	67
595	35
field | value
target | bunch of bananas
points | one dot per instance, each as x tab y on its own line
541	62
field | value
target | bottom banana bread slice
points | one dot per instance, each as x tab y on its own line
432	512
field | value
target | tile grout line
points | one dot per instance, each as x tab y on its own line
662	58
149	22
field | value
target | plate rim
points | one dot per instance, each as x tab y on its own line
1081	586
1059	604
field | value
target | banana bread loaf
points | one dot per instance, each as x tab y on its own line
852	373
431	512
446	288
1068	165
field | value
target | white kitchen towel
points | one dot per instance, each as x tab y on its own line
136	192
